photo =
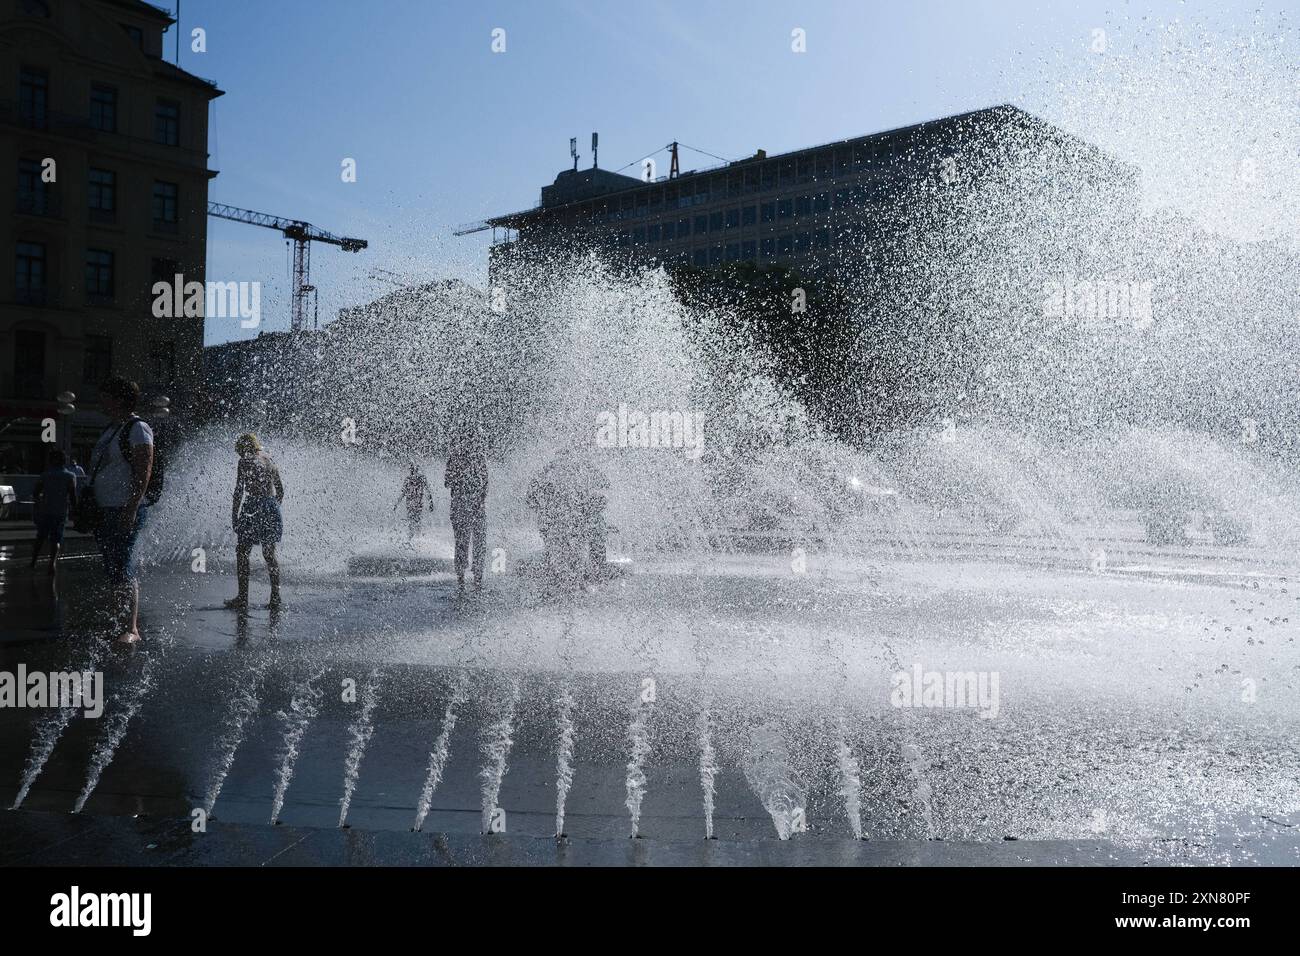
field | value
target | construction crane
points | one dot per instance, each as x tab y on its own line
302	234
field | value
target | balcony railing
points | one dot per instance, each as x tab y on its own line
38	202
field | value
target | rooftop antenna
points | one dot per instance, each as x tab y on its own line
674	170
178	32
573	151
595	139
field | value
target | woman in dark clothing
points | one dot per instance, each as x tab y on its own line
255	515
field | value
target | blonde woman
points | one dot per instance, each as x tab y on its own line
255	515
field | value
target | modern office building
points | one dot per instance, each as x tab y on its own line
108	144
817	209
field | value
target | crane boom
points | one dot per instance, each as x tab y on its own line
302	234
292	228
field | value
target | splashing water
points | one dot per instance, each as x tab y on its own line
47	735
922	792
360	732
245	702
850	783
303	709
708	768
563	757
771	776
441	748
110	738
498	738
638	736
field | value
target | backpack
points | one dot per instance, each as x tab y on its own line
158	474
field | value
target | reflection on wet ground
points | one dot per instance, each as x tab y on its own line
1145	718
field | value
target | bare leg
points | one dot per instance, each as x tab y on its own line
242	551
273	571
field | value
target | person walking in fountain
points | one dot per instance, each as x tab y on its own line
120	467
569	496
414	490
55	493
467	480
255	515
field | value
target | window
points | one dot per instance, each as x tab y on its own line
101	194
97	360
715	221
701	257
785	244
803	206
701	225
164	203
769	247
163	270
683	228
748	249
652	232
34	195
103	108
29	272
767	212
822	239
822	202
748	215
638	236
802	242
29	364
33	96
841	198
715	255
733	218
669	231
167	123
162	362
36	8
733	251
99	274
784	208
135	33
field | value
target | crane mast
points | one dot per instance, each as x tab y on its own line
302	235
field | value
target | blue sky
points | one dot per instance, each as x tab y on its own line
444	131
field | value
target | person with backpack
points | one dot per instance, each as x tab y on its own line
255	516
121	469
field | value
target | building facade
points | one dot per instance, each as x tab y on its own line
108	147
815	209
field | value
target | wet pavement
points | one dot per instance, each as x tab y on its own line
722	695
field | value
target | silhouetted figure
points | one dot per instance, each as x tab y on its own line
569	497
414	490
120	467
54	495
467	480
255	516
